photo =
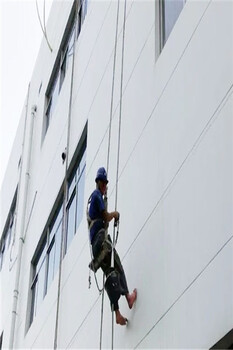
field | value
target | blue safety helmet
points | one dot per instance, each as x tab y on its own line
101	175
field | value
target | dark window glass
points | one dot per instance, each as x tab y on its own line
8	231
71	219
82	14
66	55
47	261
226	342
51	98
38	283
2	254
76	198
80	204
171	11
57	248
1	341
51	259
58	76
54	248
70	49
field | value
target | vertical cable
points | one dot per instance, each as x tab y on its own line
113	84
120	112
118	150
109	143
102	312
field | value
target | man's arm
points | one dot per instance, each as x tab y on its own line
109	216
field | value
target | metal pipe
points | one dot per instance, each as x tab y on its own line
19	182
23	215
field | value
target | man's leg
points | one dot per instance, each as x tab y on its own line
119	268
106	267
131	298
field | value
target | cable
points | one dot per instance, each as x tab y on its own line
108	154
118	150
41	25
113	85
118	153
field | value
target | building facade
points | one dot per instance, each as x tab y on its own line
158	94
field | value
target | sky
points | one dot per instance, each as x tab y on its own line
20	39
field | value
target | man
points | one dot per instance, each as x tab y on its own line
98	219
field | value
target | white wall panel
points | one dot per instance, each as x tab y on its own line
193	321
175	186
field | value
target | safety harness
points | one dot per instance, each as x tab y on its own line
112	283
106	245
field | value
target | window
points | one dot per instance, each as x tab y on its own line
66	55
51	99
8	231
75	202
54	246
169	13
60	69
82	11
225	343
37	286
46	261
1	340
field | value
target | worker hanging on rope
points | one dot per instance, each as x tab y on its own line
98	218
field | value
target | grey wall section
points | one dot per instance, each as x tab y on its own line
175	184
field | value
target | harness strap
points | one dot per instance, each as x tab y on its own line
90	221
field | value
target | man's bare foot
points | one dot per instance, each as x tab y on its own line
120	319
131	298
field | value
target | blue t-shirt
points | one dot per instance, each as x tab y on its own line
96	209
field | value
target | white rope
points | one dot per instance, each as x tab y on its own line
118	157
118	151
109	143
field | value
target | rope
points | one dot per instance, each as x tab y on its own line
102	312
113	84
108	158
118	151
108	155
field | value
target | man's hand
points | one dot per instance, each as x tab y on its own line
117	216
109	216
